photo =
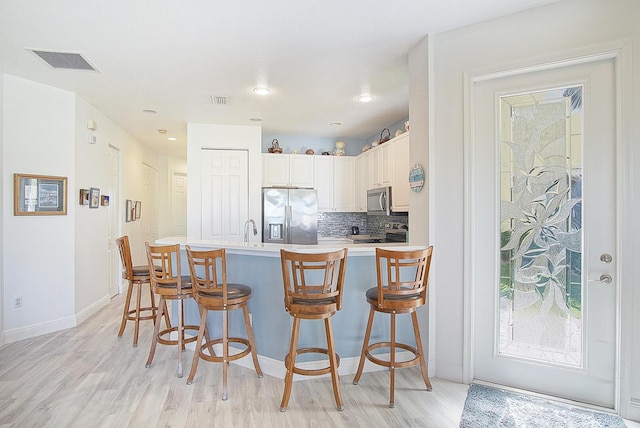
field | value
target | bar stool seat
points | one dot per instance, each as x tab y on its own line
137	276
213	293
401	289
313	284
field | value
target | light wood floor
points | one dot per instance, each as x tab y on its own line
87	377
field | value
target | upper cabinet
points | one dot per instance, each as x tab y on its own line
401	167
335	183
382	166
287	170
361	169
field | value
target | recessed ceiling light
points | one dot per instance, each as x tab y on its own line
149	111
162	131
365	98
261	90
172	138
335	124
255	119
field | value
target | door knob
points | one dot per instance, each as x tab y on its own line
606	258
606	278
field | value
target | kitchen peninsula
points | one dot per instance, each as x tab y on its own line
258	266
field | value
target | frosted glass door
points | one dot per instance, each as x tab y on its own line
545	232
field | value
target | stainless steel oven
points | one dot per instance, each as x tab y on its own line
395	232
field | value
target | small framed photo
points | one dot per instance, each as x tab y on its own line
104	200
138	209
39	195
84	197
128	210
94	197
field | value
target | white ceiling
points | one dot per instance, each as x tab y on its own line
172	56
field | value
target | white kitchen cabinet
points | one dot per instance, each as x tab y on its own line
335	183
400	182
287	170
361	169
381	165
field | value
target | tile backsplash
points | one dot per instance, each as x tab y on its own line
339	224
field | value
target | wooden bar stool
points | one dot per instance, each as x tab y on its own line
213	293
313	285
137	276
402	288
169	284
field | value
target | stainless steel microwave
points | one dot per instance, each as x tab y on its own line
379	201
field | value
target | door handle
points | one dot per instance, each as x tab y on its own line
606	278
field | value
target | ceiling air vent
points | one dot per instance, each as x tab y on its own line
64	60
218	100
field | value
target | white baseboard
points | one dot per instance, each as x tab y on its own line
634	410
14	335
34	330
92	309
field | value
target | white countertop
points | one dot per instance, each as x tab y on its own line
273	250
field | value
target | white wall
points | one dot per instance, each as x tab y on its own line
38	259
59	264
556	31
199	136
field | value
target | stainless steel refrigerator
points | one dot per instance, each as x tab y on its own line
289	216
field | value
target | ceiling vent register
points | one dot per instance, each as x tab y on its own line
64	60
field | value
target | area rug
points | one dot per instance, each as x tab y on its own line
492	407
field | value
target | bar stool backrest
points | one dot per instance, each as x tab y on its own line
208	271
402	276
313	279
164	267
125	257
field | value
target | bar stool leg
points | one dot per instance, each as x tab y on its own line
156	329
392	361
154	308
423	366
254	353
180	334
198	349
333	361
137	322
125	314
288	380
365	345
225	353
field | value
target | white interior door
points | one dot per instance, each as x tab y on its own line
179	203
114	225
543	234
225	194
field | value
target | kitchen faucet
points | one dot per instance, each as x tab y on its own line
246	232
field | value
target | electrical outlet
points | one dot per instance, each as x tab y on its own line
18	302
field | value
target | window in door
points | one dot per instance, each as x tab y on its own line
541	226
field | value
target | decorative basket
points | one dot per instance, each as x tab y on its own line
384	138
275	147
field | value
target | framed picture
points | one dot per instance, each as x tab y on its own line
84	196
39	195
138	209
94	197
104	200
128	210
